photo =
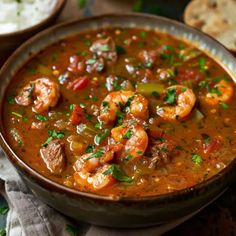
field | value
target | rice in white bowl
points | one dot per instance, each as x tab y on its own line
20	14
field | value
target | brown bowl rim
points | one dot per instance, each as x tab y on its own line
56	9
44	181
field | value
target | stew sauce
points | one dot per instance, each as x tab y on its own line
122	112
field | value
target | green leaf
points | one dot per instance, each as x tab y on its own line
91	61
120	117
41	118
206	138
224	105
4	210
90	149
128	134
120	50
101	137
72	231
170	97
202	63
97	154
118	173
216	91
197	159
11	100
3	232
143	34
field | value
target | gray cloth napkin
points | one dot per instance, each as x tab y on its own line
28	216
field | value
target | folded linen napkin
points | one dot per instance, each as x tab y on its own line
28	216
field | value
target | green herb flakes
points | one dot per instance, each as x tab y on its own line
99	138
118	173
128	134
197	159
224	105
41	118
170	97
120	50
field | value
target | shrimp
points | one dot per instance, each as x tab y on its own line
43	92
134	138
91	161
94	181
136	104
183	103
224	92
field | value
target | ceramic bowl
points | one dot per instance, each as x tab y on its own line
103	210
10	41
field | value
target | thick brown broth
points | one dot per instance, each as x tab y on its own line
182	149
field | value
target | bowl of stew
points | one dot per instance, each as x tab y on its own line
121	120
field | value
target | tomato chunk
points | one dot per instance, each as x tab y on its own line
78	84
77	115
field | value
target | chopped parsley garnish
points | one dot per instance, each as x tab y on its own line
88	116
97	154
216	91
143	34
128	134
41	118
71	107
91	61
202	63
202	84
170	97
224	105
82	105
104	48
197	159
4	210
183	90
90	149
53	134
105	106
206	138
120	117
148	65
118	173
120	50
128	157
128	103
101	137
87	42
116	85
98	126
140	152
72	231
11	100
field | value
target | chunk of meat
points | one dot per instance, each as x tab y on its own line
162	151
54	157
148	56
76	65
105	48
95	66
